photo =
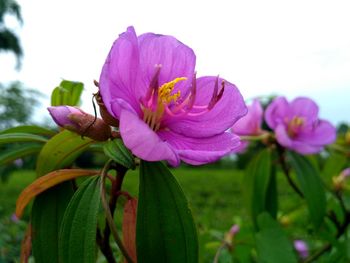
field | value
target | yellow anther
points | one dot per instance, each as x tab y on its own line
297	121
164	91
153	116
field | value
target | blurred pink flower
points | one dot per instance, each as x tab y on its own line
250	124
149	84
302	248
297	125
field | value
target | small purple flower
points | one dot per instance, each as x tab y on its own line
345	173
149	84
297	126
302	248
251	123
61	115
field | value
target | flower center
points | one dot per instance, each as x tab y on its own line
295	125
159	99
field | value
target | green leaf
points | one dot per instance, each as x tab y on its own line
67	93
20	137
77	241
30	129
165	230
47	213
272	243
14	153
48	208
60	151
116	150
311	186
260	186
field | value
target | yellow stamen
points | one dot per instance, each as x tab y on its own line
294	124
152	118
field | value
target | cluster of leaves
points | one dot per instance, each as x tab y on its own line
66	214
73	216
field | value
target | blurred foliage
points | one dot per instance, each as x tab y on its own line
17	104
9	41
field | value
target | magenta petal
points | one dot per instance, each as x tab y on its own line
119	73
298	146
198	151
277	112
304	107
176	60
117	105
250	124
323	133
282	136
143	142
221	117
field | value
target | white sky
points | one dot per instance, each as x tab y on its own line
288	48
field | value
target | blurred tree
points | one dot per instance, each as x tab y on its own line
9	41
16	104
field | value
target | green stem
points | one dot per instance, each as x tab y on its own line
109	216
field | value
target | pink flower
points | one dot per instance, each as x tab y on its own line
302	248
251	123
149	84
297	126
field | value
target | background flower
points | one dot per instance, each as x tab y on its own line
297	126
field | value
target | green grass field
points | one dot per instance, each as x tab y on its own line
214	195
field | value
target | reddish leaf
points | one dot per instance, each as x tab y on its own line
45	182
129	227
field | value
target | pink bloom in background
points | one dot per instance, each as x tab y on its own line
297	126
302	248
250	124
149	84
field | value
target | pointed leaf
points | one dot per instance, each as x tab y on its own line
20	137
67	93
14	153
77	241
165	227
60	151
272	243
45	182
47	213
116	150
129	227
311	186
48	208
30	129
260	187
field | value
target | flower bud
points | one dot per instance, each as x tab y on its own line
302	248
60	114
78	121
231	234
